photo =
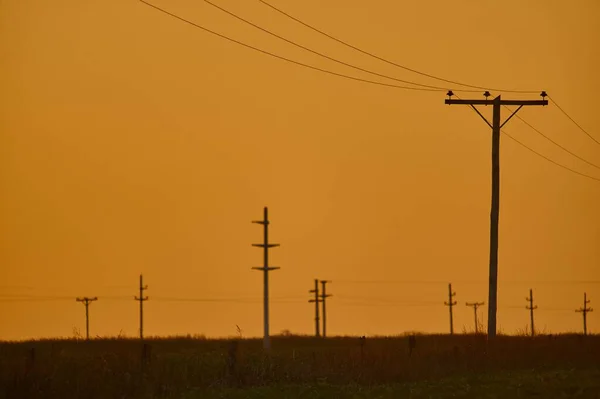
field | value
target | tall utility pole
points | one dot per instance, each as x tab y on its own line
475	306
316	300
450	304
495	208
531	308
585	310
324	297
142	298
86	301
265	269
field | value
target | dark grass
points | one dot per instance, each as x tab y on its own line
187	367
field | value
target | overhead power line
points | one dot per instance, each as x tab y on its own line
326	71
326	56
548	159
554	142
543	156
462	282
573	120
388	61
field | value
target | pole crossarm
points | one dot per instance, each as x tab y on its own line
491	102
266	268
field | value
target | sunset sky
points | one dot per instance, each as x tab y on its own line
132	142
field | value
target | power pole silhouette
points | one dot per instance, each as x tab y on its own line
531	309
324	297
496	125
450	304
265	269
316	300
142	298
585	310
86	301
475	305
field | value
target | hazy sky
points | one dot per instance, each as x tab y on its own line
134	143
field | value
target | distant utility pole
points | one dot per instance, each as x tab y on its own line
585	310
531	309
450	304
475	306
495	208
316	300
86	301
324	297
142	298
266	269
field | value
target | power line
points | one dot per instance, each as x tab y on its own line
554	142
86	302
584	311
316	300
451	303
573	120
434	282
543	156
388	61
326	56
548	159
475	306
397	304
531	308
281	57
496	126
324	297
142	299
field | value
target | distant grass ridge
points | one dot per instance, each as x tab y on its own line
176	367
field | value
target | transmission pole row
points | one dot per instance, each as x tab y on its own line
531	308
324	297
86	302
584	311
475	305
142	299
316	301
451	303
265	269
497	103
320	298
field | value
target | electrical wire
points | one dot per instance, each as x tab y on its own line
543	156
388	61
552	141
328	57
387	300
466	282
573	120
284	58
548	159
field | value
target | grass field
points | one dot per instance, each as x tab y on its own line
439	366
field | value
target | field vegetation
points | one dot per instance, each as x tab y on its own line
427	366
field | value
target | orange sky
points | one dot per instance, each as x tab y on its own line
134	143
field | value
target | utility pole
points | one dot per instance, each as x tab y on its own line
265	269
142	298
450	304
585	310
316	300
531	308
86	301
475	305
495	208
323	299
